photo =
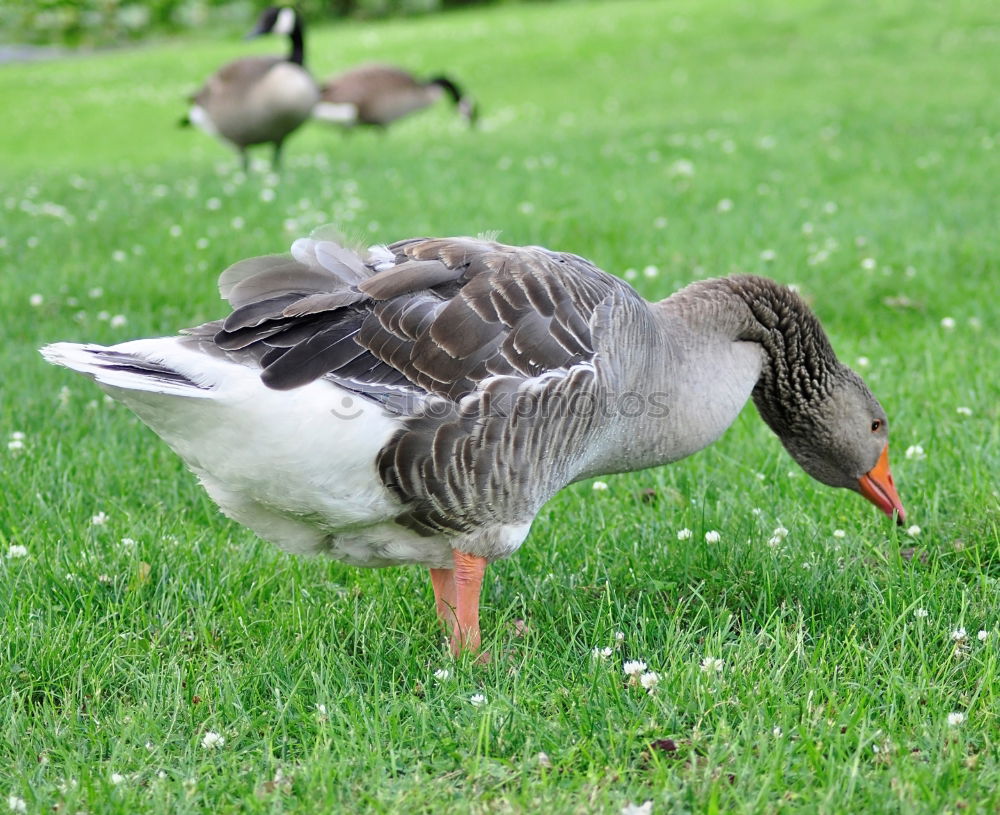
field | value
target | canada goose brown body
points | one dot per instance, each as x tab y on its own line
419	402
259	100
379	95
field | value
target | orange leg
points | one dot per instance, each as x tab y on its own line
469	571
443	581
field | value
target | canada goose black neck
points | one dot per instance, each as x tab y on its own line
447	85
298	52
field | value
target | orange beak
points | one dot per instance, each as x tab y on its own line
877	486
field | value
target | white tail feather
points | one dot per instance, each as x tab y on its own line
108	367
336	113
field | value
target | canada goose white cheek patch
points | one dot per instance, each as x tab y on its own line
285	22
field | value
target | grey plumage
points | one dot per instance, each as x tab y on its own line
506	338
420	405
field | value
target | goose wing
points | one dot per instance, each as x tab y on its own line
471	342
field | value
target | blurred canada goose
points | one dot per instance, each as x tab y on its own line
378	95
258	100
419	403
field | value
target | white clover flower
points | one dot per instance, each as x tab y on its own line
599	486
963	411
956	718
441	674
868	264
948	323
712	536
649	680
712	665
774	541
637	809
863	362
16	550
128	542
913	531
839	533
117	778
95	292
756	511
634	667
915	452
920	613
982	635
650	271
17	804
768	255
477	700
600	653
776	731
213	203
725	205
36	300
118	321
99	519
959	635
321	708
619	636
780	532
15	445
213	741
682	167
684	534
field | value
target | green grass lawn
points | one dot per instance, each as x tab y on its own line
852	149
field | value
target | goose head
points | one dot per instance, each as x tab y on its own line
842	440
281	20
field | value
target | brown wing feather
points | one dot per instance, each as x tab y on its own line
458	325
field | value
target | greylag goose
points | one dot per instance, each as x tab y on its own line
378	95
259	100
419	402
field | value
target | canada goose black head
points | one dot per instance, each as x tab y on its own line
283	21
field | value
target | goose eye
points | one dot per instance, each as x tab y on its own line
876	425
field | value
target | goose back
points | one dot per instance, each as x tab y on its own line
489	354
376	95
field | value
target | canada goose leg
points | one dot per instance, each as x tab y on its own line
276	159
245	159
445	602
469	571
